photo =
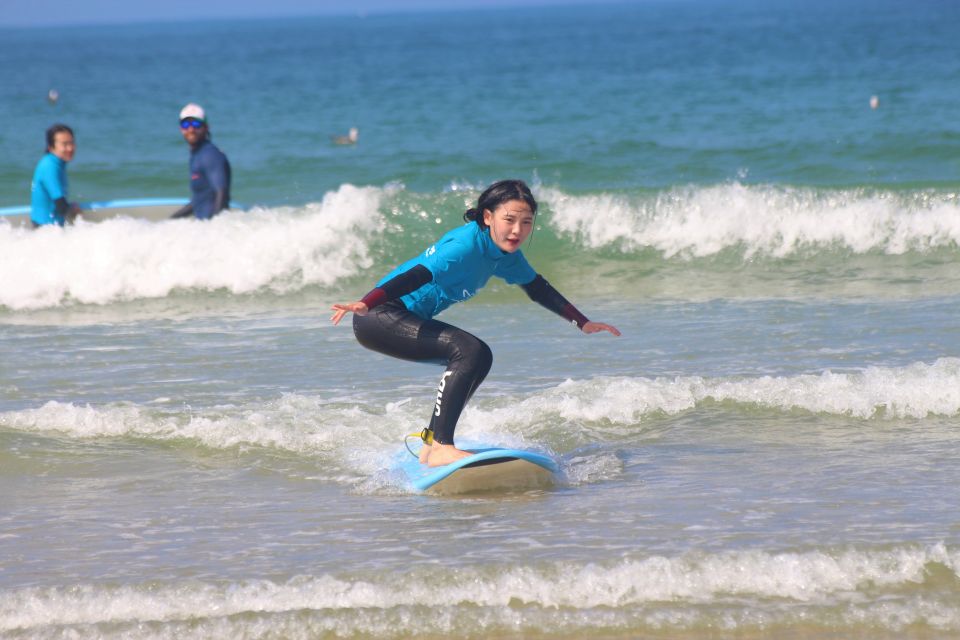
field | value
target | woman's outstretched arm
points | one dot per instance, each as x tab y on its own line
542	292
400	285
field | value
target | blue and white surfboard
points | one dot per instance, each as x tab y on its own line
152	209
488	469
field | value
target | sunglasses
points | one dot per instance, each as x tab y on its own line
191	123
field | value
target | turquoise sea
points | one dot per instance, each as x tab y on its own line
188	448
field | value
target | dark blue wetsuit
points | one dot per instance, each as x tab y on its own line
209	180
400	322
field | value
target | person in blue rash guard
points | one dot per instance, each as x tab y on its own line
48	191
396	318
209	167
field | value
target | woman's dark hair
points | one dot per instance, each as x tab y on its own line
53	131
498	193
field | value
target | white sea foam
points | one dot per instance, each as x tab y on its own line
293	423
318	426
279	249
731	588
919	390
286	249
759	221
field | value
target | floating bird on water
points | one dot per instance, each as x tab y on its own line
350	138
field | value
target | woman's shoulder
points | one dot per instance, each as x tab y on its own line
466	231
464	237
455	245
49	164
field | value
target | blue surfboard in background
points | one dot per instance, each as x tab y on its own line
152	209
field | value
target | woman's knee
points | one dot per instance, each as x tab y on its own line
475	354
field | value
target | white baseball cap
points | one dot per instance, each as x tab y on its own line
193	111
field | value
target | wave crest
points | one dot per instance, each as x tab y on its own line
317	427
279	249
779	222
732	590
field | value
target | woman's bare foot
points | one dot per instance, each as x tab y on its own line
425	452
441	454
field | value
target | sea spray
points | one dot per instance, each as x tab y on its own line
735	589
759	220
276	250
326	426
793	238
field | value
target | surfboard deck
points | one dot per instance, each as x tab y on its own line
488	469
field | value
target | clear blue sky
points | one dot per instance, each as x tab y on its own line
67	12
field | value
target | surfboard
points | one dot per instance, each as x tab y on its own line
488	469
152	209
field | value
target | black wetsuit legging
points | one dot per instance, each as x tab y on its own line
393	330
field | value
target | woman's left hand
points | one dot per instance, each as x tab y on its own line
596	327
341	310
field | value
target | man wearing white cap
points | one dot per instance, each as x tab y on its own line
209	168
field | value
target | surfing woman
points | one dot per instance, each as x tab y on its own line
396	317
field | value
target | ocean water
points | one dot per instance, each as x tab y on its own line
188	448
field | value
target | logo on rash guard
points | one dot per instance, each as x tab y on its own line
443	384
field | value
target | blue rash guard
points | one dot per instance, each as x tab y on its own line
209	177
402	305
461	262
49	185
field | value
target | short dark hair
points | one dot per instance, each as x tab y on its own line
498	193
54	130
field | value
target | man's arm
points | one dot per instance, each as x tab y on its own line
218	173
221	201
184	211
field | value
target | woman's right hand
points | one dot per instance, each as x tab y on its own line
341	310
